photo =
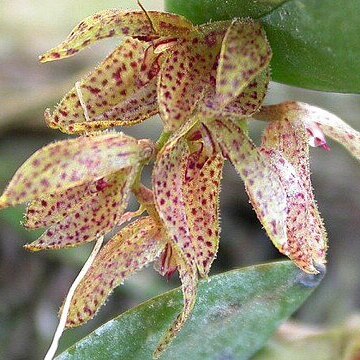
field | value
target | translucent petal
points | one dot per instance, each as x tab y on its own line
131	249
290	139
109	23
263	186
111	95
68	163
300	245
96	216
202	208
244	54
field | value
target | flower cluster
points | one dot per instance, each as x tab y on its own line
206	82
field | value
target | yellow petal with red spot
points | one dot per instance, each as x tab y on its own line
262	184
201	194
245	53
52	208
69	163
184	76
127	252
245	104
168	179
109	23
95	216
113	94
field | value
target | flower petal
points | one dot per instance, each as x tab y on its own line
244	54
290	139
195	161
245	104
96	215
301	245
110	94
109	23
130	250
262	184
184	76
52	208
168	179
332	126
69	163
189	280
132	111
313	116
202	208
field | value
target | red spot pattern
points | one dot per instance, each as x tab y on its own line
112	94
289	137
168	178
261	182
94	216
184	77
109	23
202	207
244	105
130	250
244	54
70	163
301	244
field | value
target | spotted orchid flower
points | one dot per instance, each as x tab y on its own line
194	72
164	65
293	126
78	188
206	83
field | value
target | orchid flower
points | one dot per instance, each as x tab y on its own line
163	65
206	83
78	188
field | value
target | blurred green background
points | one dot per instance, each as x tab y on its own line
32	286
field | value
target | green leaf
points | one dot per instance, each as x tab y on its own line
236	312
315	43
202	11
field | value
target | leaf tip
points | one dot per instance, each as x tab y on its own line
312	280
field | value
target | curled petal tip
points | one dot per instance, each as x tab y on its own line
48	56
32	247
49	119
326	147
3	202
316	136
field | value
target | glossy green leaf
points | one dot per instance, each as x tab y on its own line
235	313
202	11
315	43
